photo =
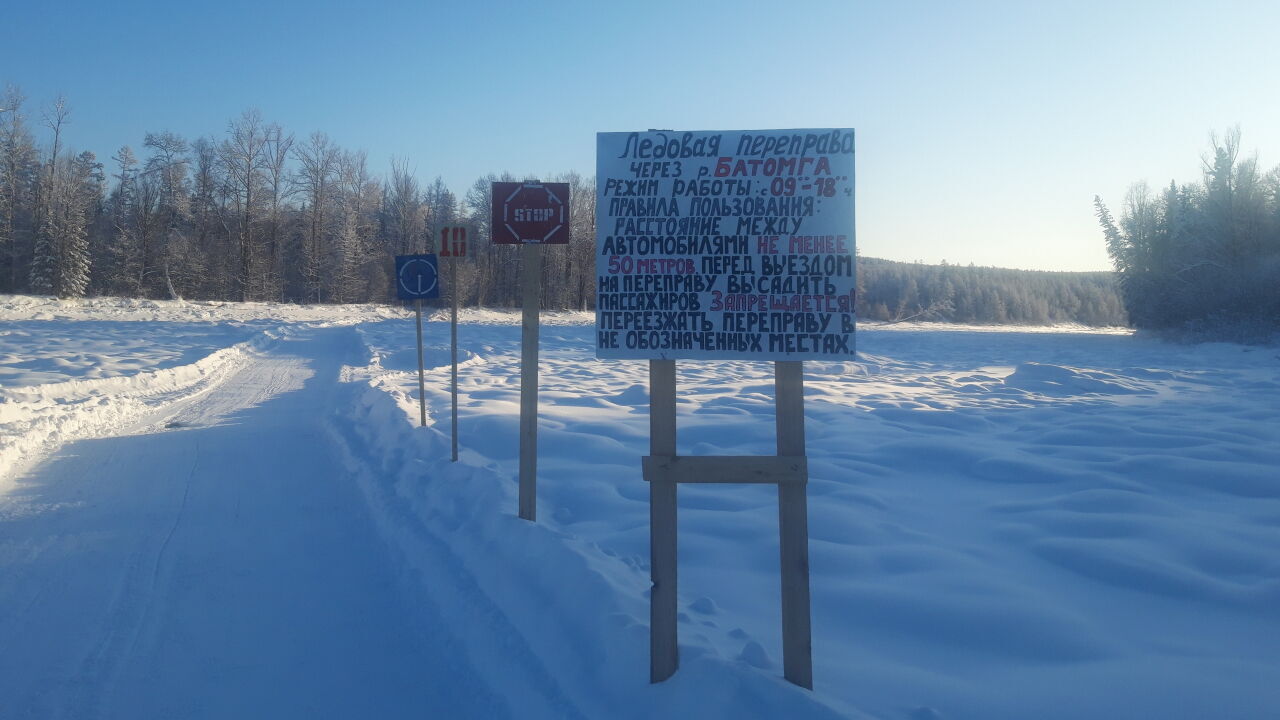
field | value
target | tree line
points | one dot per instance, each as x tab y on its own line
1201	256
257	214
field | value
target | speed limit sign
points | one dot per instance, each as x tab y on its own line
453	241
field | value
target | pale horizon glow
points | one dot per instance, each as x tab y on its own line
983	131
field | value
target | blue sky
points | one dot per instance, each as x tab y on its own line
983	129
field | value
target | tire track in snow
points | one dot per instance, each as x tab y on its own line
494	643
37	420
258	586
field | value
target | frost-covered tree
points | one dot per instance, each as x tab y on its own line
83	207
277	189
44	259
243	155
315	181
72	197
19	173
117	259
164	206
1200	255
497	269
404	214
353	271
441	207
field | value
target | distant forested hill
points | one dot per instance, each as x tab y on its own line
889	290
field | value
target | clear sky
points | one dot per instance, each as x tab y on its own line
984	129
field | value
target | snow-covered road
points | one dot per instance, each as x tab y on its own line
217	562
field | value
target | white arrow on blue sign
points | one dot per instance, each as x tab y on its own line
416	277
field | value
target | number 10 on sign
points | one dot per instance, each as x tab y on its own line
453	241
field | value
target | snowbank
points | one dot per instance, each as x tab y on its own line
36	420
573	614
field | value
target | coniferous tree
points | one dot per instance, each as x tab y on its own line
1201	256
19	176
82	205
44	258
118	259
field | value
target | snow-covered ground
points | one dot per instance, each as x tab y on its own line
1004	523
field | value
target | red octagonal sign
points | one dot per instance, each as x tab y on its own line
530	213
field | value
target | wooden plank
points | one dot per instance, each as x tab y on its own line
422	382
793	527
664	652
453	352
727	468
531	280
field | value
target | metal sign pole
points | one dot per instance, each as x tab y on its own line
453	348
531	281
422	383
417	278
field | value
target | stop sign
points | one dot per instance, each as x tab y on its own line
530	213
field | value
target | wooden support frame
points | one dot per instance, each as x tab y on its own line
727	468
664	470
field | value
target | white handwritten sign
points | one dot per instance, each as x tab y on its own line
725	245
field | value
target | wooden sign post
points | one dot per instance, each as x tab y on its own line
793	524
531	295
664	655
453	359
530	214
726	245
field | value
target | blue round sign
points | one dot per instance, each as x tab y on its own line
416	277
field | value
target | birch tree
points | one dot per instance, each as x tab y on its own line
318	159
166	179
19	173
350	274
404	212
243	157
276	154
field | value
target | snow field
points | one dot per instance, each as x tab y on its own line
572	613
1004	523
